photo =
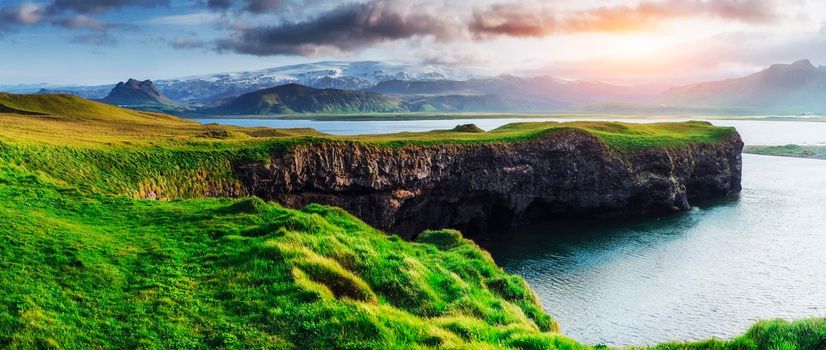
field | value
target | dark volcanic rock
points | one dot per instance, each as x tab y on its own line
477	186
134	92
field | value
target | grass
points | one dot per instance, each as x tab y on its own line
774	335
96	271
80	270
105	149
68	120
83	264
811	152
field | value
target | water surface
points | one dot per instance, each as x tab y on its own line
712	271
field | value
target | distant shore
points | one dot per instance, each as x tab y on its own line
460	116
795	151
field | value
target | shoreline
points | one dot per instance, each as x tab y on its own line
471	116
789	151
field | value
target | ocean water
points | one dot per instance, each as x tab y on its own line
710	272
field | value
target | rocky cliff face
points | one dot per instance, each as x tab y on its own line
478	186
134	92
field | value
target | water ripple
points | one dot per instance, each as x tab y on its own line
711	272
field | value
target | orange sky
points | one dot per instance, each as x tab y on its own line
626	42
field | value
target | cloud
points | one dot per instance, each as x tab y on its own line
524	20
263	6
345	28
726	55
72	14
81	22
187	19
100	6
219	4
26	14
258	7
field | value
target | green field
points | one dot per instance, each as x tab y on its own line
85	264
811	152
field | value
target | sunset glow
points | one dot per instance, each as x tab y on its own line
647	41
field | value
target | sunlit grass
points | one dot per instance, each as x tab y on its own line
768	335
83	264
85	271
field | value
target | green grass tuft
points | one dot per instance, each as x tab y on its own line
443	239
768	335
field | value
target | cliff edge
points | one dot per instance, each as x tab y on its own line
477	186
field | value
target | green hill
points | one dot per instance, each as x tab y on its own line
83	264
294	98
69	107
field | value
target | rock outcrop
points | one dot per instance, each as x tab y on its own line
407	189
134	92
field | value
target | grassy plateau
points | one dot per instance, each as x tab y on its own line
85	263
811	152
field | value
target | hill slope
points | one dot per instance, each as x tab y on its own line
543	93
87	271
70	107
783	88
85	265
294	98
90	92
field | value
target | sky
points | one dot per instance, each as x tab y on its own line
87	42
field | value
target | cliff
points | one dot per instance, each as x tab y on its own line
475	186
462	178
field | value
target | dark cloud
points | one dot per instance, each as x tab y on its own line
523	20
348	27
20	15
257	7
72	14
100	6
219	4
263	6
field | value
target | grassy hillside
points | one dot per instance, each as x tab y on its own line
84	265
91	271
68	107
811	152
294	98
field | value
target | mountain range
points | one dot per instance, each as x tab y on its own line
372	86
794	88
357	75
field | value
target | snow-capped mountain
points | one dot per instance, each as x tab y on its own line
329	74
